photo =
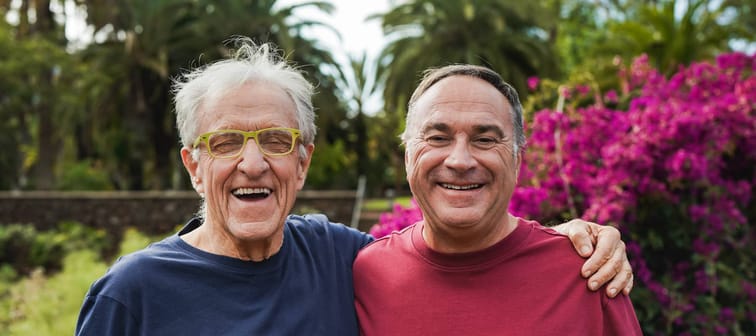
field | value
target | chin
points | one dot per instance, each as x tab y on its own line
254	229
457	219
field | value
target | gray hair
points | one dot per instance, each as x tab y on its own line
249	63
433	76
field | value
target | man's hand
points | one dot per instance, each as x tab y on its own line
609	262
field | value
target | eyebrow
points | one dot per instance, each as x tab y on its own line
441	127
489	128
444	127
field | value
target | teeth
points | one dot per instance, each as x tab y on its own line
456	187
251	191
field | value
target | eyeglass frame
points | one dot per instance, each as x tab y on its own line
204	138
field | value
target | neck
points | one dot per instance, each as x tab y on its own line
467	240
252	250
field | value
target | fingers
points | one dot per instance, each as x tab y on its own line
613	270
629	286
607	242
623	281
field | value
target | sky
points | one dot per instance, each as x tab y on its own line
349	19
358	35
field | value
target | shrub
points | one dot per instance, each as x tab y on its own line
24	249
83	175
674	171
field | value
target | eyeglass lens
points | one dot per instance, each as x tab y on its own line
230	143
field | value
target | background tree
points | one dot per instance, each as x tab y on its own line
139	46
671	32
37	100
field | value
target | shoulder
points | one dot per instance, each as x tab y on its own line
154	253
319	224
404	234
547	243
132	270
541	232
394	242
317	228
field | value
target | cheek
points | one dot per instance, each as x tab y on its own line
413	159
421	162
509	162
213	173
288	172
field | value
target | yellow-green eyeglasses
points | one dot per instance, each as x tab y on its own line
275	141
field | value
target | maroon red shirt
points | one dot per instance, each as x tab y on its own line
529	283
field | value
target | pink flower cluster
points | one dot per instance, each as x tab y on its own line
396	220
676	166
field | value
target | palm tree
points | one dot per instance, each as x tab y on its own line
669	36
508	36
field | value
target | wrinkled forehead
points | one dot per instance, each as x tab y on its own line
251	103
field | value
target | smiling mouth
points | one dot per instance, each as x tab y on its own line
251	193
460	187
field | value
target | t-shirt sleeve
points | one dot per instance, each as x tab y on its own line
354	239
619	316
349	239
101	315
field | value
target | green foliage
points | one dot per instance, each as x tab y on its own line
670	32
83	175
328	162
49	306
24	250
108	103
43	305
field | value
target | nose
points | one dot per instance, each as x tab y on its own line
460	157
252	161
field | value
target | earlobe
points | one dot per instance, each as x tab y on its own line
304	165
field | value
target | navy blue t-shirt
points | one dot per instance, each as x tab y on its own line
172	288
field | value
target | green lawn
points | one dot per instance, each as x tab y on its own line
384	204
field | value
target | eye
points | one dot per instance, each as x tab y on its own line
438	140
224	143
485	142
275	141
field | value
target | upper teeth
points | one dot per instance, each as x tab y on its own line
456	187
249	191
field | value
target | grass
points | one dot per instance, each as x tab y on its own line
384	204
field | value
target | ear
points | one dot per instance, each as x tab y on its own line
191	165
304	166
